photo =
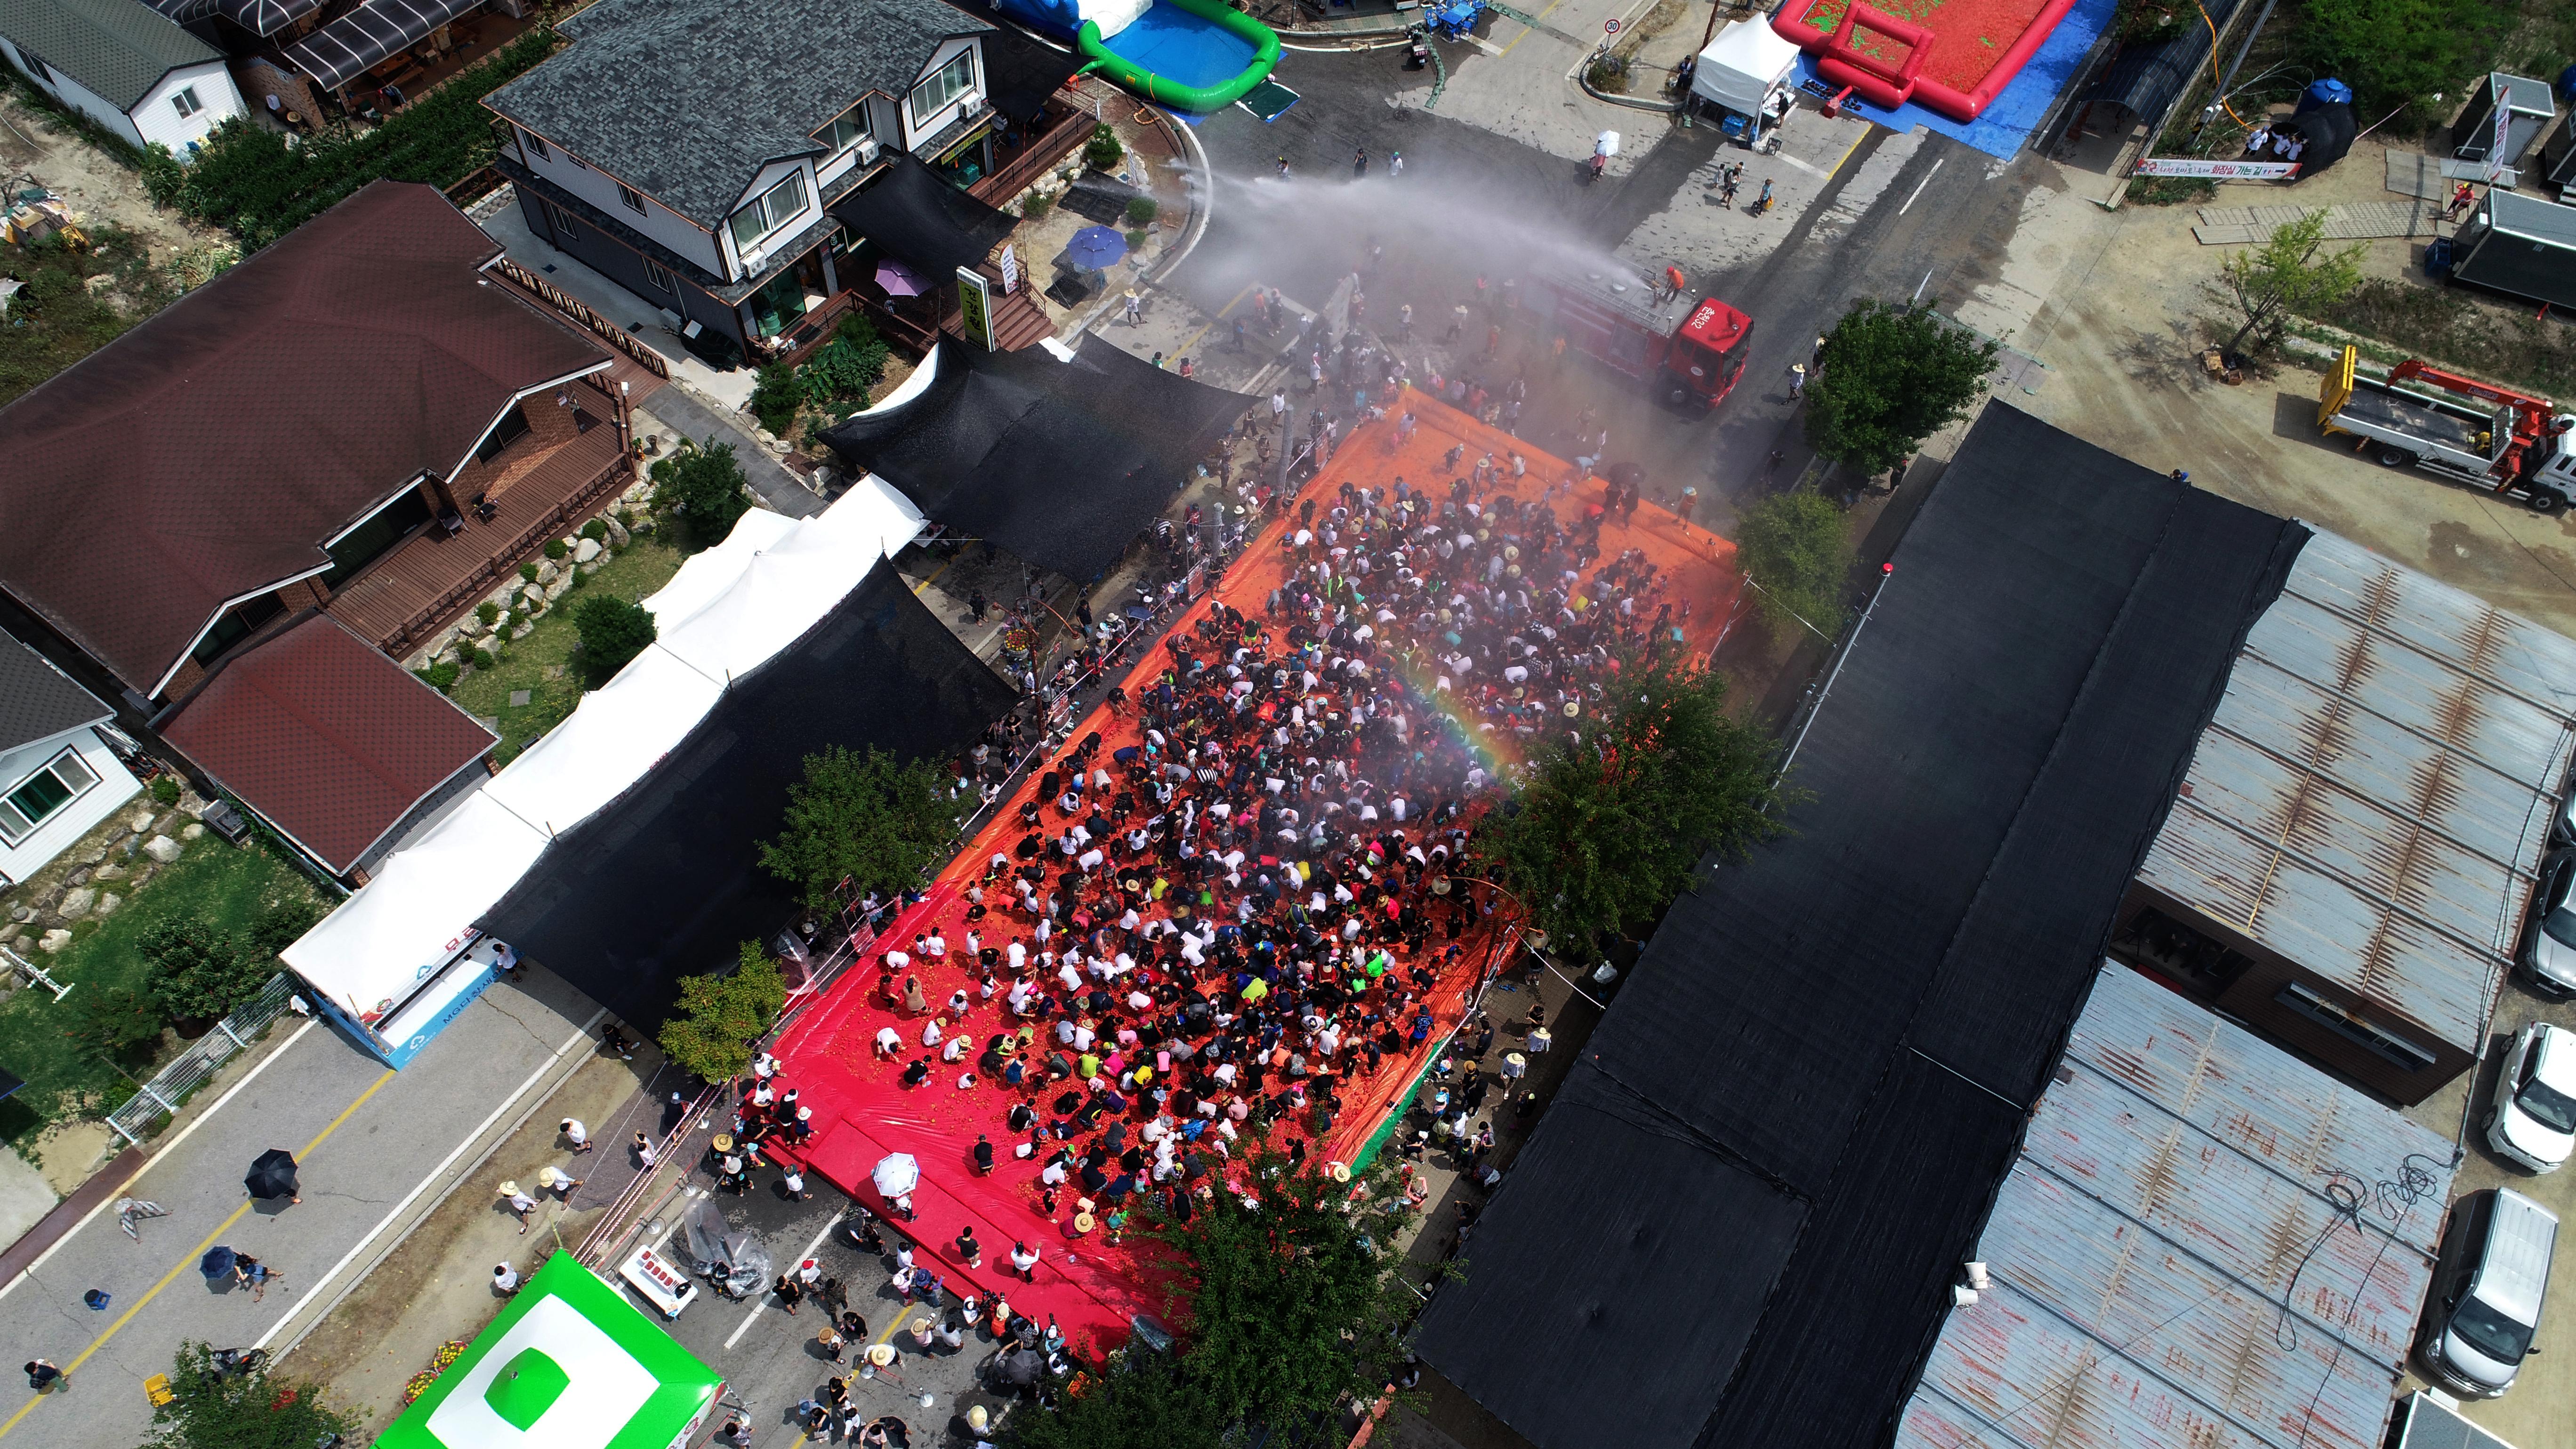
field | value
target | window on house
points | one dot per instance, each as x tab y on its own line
578	164
186	103
660	276
372	539
513	424
565	230
536	144
633	198
35	66
36	799
849	130
951	81
768	212
238	623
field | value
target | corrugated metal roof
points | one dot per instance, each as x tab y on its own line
2205	1245
2373	793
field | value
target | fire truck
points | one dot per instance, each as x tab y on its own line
2501	440
1690	350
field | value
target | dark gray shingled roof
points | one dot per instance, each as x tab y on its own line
118	49
37	700
685	100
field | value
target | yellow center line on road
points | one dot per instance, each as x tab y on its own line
1184	349
1525	30
187	1262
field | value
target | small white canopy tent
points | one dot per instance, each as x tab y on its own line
1741	67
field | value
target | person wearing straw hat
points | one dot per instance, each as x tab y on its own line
519	1203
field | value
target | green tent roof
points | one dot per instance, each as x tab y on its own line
570	1364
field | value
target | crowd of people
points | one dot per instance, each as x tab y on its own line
1238	902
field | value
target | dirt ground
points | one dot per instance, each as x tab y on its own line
98	187
2117	304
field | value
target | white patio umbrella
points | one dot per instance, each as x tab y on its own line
897	1174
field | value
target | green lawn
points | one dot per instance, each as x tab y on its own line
544	663
227	886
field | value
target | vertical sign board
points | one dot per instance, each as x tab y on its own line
1010	268
975	306
2503	137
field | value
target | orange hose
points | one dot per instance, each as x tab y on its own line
2215	79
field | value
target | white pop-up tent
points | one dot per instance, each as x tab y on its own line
1741	68
379	958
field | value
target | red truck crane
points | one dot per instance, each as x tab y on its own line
2457	426
1689	349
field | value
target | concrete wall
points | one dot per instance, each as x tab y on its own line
73	94
622	264
115	786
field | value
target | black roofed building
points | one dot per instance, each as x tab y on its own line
1741	1220
699	154
123	65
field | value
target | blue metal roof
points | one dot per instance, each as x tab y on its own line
2205	1244
2373	794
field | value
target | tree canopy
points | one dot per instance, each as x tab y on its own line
1792	546
1610	822
1892	375
702	485
711	1030
254	1410
613	631
871	820
2290	272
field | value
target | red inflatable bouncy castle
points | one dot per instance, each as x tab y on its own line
1955	58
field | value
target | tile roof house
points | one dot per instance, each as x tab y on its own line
58	776
327	740
311	429
698	152
123	65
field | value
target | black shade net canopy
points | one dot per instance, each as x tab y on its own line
1795	1116
666	881
1061	463
913	214
1021	74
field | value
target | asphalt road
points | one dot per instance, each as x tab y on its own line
1894	209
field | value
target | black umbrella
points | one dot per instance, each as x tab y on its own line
273	1175
1023	1367
217	1262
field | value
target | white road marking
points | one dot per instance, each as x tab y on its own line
759	1300
1919	185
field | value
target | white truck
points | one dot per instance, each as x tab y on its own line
2501	440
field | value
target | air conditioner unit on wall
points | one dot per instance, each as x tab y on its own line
869	150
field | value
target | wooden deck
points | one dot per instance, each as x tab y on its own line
432	580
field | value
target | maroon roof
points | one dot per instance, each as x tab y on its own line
324	736
216	447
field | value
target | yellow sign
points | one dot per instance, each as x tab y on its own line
975	306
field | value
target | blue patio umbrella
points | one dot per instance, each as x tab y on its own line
217	1262
1095	247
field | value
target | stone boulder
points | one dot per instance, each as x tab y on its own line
193	830
22	914
54	941
546	571
76	903
141	822
79	877
586	550
163	849
558	588
108	903
110	872
617	533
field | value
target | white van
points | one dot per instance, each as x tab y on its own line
2487	1290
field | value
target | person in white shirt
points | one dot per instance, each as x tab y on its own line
505	1280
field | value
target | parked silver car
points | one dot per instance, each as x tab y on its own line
2533	1120
2548	956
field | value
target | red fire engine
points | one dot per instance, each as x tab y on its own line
1689	349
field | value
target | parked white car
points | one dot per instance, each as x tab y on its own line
2533	1119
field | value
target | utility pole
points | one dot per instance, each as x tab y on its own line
2218	99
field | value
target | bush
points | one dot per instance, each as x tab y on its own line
1104	149
165	791
843	372
775	397
249	181
280	926
441	676
612	632
1135	241
720	1015
164	179
2398	52
111	1021
483	659
702	486
1036	204
1141	210
555	550
489	612
2172	190
595	530
855	329
213	1409
2444	326
198	970
1792	545
528	573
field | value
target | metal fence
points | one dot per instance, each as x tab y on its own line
193	1068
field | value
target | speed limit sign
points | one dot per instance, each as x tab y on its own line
1611	25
